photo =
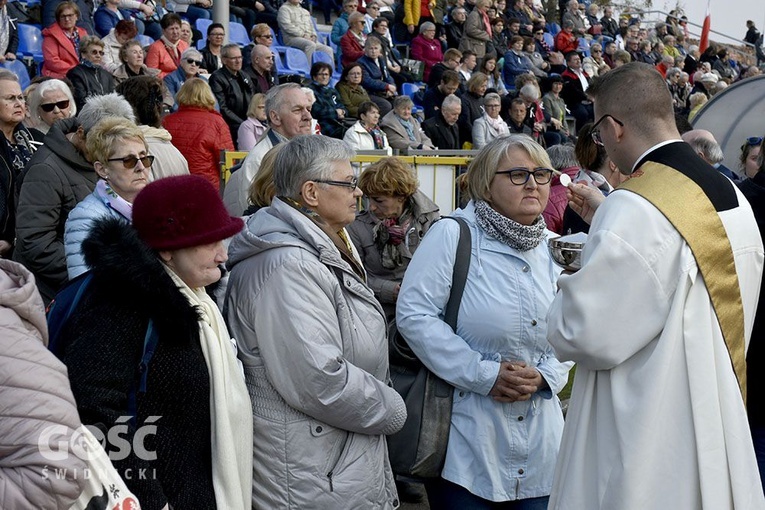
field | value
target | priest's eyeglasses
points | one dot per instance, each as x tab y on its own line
595	133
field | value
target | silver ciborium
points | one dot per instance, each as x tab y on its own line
566	251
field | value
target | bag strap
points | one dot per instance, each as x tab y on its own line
150	341
459	273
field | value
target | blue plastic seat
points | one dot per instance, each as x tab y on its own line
281	67
30	41
18	68
145	40
554	28
297	61
202	24
238	34
411	89
584	46
549	39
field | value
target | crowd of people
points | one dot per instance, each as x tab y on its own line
246	322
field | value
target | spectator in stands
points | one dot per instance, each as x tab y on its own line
187	34
211	53
298	31
50	101
328	108
644	51
16	149
289	114
376	79
609	24
517	118
108	15
594	64
477	33
563	159
565	40
261	68
352	42
145	95
706	146
455	29
577	22
442	128
435	96
451	61
416	13
255	126
748	160
538	119
534	60
691	64
366	134
352	94
575	83
165	53
555	107
490	125
499	39
122	161
61	41
9	43
55	180
233	89
260	34
540	44
722	64
373	12
191	9
403	130
123	32
467	64
472	105
695	102
754	37
341	24
515	63
621	57
198	131
191	63
89	78
609	50
426	48
132	58
391	55
488	66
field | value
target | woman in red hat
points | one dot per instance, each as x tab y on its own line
150	360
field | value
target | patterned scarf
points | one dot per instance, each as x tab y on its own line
172	50
112	200
21	149
377	136
390	238
74	38
509	232
409	126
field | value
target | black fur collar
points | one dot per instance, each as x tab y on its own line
131	271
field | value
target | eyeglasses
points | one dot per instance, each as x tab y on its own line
13	99
96	52
373	8
267	36
520	176
596	51
49	107
234	58
130	162
596	131
217	34
352	184
193	62
541	32
491	106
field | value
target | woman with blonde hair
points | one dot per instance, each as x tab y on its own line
199	132
262	190
253	128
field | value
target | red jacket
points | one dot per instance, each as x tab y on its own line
428	52
352	50
158	57
557	202
566	43
59	55
200	135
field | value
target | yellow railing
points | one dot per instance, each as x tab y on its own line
435	173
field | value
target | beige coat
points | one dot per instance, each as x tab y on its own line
475	36
397	136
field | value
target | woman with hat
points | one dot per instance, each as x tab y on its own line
149	355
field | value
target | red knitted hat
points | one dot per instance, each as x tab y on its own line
181	212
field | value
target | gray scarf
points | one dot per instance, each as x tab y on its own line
509	232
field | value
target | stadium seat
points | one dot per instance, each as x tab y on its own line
281	67
549	39
145	40
202	25
297	61
30	41
554	28
18	68
411	89
584	47
238	34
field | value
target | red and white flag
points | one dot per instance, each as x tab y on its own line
704	43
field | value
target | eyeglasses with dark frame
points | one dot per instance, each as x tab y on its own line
352	184
49	107
192	62
595	134
130	162
520	176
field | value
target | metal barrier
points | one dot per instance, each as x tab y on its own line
436	173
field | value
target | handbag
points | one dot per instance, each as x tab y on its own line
418	450
413	67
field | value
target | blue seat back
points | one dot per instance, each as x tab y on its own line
30	39
549	39
297	62
320	56
409	89
278	62
238	34
202	25
18	68
145	40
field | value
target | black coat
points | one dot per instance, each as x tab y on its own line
210	60
233	94
102	346
89	81
443	135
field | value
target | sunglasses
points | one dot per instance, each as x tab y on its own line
754	140
193	62
130	162
96	52
49	107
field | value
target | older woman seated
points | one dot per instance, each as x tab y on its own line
352	94
61	41
365	134
403	130
202	445
190	65
426	48
165	53
376	79
89	78
328	108
122	161
122	33
323	364
50	101
507	376
132	58
388	232
490	125
253	129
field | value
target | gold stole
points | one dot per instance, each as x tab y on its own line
691	212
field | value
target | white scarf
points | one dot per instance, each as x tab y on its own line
230	407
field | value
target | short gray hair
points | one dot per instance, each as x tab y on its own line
562	156
530	91
100	107
307	158
402	101
36	97
275	97
452	100
191	53
224	51
6	75
428	25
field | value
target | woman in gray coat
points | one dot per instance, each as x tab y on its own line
403	130
312	339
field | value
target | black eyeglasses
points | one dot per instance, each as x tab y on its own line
352	184
49	107
520	176
596	132
192	62
269	36
130	162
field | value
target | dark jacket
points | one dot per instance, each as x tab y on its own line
89	81
325	109
233	94
102	347
9	181
105	20
431	102
261	82
573	92
211	63
454	33
375	78
56	179
472	109
443	135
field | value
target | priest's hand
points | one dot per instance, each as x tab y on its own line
584	200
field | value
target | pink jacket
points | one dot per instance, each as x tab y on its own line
59	55
428	52
158	57
556	204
